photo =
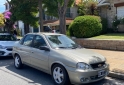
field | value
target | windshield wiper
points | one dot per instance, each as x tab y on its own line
78	46
62	47
74	47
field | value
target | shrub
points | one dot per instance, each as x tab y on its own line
104	25
85	26
115	23
18	32
122	21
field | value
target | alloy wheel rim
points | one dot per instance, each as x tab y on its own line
58	75
17	61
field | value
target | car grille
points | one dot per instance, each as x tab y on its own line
9	49
98	65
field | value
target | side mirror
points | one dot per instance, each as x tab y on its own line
44	48
18	39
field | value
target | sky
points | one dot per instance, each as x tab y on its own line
2	6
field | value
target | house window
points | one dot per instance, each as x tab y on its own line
68	14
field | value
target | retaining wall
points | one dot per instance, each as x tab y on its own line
101	44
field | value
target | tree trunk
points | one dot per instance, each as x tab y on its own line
26	28
40	16
62	17
10	27
62	21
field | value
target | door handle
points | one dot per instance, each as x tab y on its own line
20	49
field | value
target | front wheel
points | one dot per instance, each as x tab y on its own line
17	62
60	75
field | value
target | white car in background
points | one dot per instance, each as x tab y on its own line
6	43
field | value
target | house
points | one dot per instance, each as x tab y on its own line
110	8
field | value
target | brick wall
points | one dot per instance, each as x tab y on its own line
102	44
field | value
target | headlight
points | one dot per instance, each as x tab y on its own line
2	47
83	66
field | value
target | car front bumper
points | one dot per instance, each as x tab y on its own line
89	76
5	52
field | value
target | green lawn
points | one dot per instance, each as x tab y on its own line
19	37
119	36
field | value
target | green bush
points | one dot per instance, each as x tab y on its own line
85	26
122	21
115	23
18	32
104	25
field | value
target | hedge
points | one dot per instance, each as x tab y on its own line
85	26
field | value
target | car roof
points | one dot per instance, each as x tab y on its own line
4	33
45	33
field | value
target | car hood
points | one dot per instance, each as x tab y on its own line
7	43
83	55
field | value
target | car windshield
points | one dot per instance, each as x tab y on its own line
7	38
61	41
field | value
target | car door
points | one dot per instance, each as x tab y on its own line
25	48
39	58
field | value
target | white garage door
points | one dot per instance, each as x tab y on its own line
120	12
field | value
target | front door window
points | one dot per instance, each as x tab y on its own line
39	41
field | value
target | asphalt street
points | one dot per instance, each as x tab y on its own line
30	76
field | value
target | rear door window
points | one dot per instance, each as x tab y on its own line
28	40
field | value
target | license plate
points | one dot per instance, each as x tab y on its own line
101	73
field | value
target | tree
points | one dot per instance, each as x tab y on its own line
2	19
26	11
81	8
92	6
40	15
87	7
60	7
8	23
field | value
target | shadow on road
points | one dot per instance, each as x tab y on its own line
4	61
31	75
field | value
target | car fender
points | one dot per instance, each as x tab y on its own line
56	62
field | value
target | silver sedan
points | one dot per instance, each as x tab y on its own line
61	57
6	43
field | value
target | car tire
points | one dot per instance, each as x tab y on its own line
60	75
17	62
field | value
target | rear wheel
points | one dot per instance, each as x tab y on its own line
60	75
17	62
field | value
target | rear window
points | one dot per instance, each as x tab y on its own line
7	38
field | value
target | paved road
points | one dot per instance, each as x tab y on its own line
29	76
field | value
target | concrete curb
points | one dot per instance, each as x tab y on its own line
116	75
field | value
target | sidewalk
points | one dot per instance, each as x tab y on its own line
115	60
